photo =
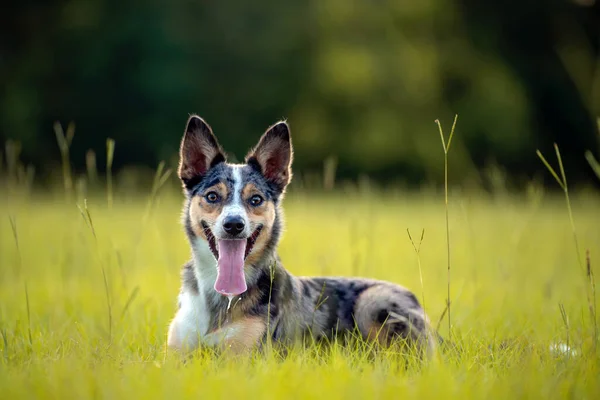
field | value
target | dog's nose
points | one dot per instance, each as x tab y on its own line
234	225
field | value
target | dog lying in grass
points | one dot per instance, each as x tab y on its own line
235	292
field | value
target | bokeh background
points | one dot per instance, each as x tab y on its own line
360	81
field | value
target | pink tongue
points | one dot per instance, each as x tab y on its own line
230	274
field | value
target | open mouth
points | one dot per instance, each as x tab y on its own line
212	242
230	255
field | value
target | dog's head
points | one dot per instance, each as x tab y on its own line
234	207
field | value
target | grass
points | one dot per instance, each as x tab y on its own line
446	150
85	302
591	288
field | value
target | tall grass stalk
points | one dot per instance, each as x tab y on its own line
64	144
590	157
12	149
13	225
110	152
130	299
329	170
160	178
418	252
446	150
271	280
562	182
18	177
565	319
5	341
441	318
91	167
592	282
593	163
87	217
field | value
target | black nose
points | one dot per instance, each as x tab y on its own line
234	225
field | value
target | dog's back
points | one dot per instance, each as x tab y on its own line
380	310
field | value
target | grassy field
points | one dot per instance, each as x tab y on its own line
84	312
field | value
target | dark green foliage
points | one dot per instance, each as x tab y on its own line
359	80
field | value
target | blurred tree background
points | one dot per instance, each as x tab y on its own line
358	80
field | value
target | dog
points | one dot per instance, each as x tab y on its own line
235	292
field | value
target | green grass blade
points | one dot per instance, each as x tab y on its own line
437	121
593	163
60	137
549	168
70	134
110	153
452	131
130	300
560	165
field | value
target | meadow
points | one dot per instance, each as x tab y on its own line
87	290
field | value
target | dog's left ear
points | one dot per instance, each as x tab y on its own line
273	155
199	151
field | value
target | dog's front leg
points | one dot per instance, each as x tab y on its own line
183	334
239	336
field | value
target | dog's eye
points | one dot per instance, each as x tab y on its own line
256	200
212	197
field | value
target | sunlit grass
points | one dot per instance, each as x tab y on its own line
100	301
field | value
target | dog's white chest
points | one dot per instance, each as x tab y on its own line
192	321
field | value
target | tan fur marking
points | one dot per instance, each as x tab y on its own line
367	305
201	210
172	341
241	307
242	335
265	213
262	215
376	298
377	333
249	190
261	241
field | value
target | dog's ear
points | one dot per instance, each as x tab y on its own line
199	150
273	155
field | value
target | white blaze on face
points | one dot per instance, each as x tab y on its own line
235	207
231	279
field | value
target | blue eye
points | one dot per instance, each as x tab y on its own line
212	197
256	200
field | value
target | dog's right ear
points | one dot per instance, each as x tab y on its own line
199	151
